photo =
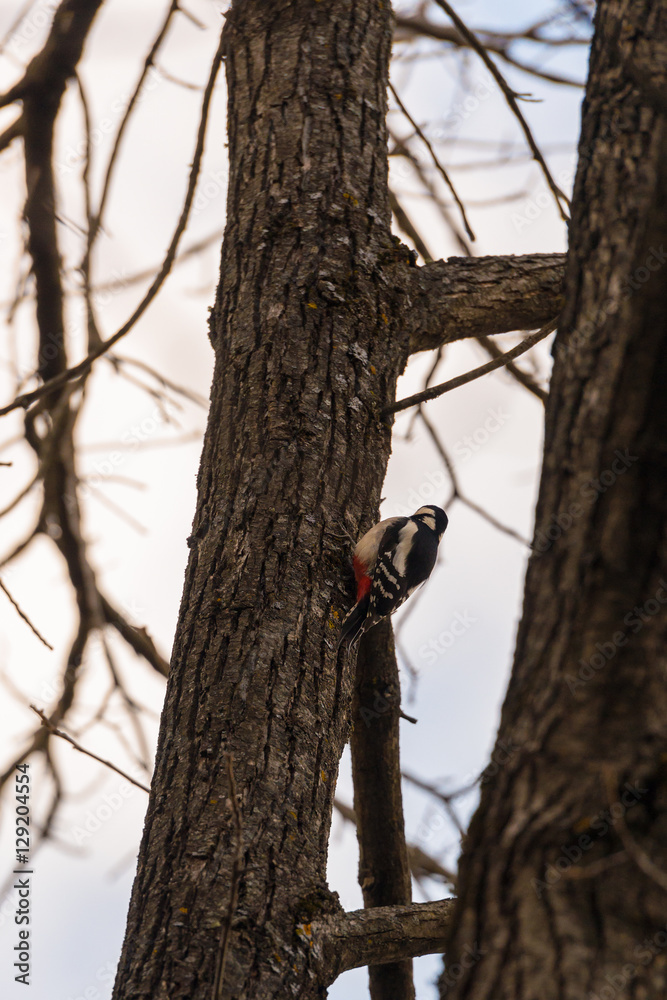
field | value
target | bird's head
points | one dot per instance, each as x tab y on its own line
433	517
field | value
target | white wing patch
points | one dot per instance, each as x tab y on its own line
405	537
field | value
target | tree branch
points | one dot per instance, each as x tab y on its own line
378	935
137	638
24	616
454	383
471	297
384	872
496	42
43	87
88	753
511	98
84	366
525	378
438	165
13	131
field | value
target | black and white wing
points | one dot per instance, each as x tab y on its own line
390	582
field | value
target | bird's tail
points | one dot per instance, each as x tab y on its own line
352	626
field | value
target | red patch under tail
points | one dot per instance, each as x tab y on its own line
364	581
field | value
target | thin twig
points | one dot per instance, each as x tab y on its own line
447	798
194	397
89	753
510	97
421	864
455	383
20	496
402	149
25	618
96	222
94	338
439	167
494	41
405	223
524	378
76	371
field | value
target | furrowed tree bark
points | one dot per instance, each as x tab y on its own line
384	870
41	91
563	881
308	343
475	296
383	934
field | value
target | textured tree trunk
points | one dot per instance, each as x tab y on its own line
308	345
563	884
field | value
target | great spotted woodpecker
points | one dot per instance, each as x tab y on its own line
391	560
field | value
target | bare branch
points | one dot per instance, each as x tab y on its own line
42	89
24	616
83	367
384	872
519	374
96	222
402	149
422	865
490	366
13	131
439	167
406	224
378	935
19	496
493	41
510	97
457	493
463	297
88	753
137	638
